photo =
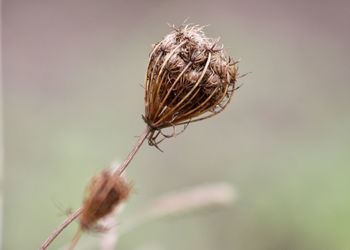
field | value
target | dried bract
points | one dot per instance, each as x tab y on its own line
105	191
189	78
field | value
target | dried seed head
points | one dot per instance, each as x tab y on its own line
104	192
189	78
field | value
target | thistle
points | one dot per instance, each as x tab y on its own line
189	78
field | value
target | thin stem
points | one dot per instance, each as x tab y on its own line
60	228
120	169
78	212
75	239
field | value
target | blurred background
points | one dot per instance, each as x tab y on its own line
73	101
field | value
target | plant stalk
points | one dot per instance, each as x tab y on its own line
118	171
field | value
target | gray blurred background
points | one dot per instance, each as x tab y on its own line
73	103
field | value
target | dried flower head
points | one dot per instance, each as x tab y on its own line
189	78
104	192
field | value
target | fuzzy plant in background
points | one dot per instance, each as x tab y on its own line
189	78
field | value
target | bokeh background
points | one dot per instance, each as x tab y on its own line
73	101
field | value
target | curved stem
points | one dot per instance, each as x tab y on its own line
120	169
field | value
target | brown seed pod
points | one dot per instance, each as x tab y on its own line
104	192
189	78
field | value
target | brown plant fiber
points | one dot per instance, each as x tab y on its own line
103	194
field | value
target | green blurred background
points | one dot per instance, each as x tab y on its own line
73	103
